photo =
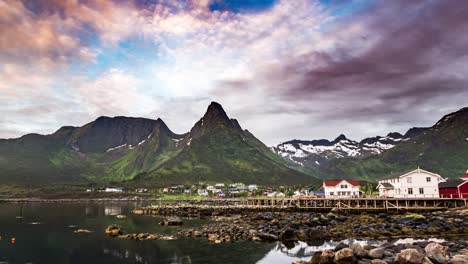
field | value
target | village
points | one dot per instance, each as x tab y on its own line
417	183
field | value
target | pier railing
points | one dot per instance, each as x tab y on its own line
369	204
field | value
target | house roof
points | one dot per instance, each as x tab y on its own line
403	174
452	184
465	176
386	185
336	182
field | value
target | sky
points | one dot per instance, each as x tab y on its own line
286	69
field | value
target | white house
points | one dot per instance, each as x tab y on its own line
414	184
252	187
341	188
202	192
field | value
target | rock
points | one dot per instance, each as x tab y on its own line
256	238
378	261
289	235
344	255
212	237
406	230
459	259
340	246
142	236
409	256
172	221
327	257
82	231
138	212
309	234
152	237
376	253
121	216
437	253
358	250
301	262
266	236
114	230
426	260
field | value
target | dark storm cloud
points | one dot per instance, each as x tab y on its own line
405	58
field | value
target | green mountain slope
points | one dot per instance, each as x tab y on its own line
129	150
217	149
442	149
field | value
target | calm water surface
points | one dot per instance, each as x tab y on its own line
44	234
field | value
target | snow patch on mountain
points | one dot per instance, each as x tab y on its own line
114	148
341	147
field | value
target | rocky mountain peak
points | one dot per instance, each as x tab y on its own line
394	135
215	111
340	137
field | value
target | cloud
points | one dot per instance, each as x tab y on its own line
401	66
297	69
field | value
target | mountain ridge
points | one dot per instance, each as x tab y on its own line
128	149
442	148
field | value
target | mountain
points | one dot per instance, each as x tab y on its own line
145	152
316	152
442	148
218	149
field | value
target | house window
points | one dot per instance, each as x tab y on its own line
421	190
332	193
428	179
398	180
344	186
410	190
409	180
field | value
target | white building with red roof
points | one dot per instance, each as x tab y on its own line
413	184
341	188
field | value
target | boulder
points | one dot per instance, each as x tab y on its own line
376	253
459	259
152	237
172	221
358	250
121	216
340	246
138	212
437	253
266	236
409	256
344	255
327	257
426	260
289	235
378	261
114	230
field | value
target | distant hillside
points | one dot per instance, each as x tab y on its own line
442	148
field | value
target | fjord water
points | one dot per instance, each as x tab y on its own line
44	234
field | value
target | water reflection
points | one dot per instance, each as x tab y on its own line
53	241
112	209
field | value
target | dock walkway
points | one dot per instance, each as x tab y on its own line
369	204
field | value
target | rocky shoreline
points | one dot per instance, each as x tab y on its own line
296	226
229	224
424	252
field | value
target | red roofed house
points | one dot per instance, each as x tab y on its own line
455	188
341	188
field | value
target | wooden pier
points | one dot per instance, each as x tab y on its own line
350	204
